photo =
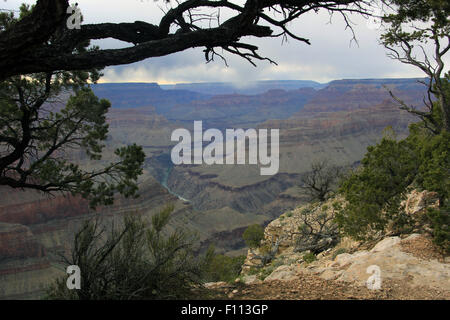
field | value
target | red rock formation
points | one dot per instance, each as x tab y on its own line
44	210
17	241
20	251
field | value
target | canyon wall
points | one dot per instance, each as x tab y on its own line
336	123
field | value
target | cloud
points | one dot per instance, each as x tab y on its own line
331	56
164	72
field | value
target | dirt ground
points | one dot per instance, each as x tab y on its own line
311	287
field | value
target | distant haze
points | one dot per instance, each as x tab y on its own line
253	87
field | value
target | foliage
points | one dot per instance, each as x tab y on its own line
265	249
321	180
318	230
224	268
253	271
137	260
418	34
309	257
422	160
434	169
47	119
375	190
440	219
268	251
277	262
253	235
265	272
387	172
434	175
338	252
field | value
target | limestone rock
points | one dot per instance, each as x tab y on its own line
385	244
393	264
216	285
412	260
253	279
418	200
283	273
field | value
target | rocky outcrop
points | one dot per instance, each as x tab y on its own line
282	273
393	263
410	259
417	201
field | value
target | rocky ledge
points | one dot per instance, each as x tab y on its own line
407	266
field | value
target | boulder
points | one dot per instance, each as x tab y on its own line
282	273
253	279
216	285
393	264
385	244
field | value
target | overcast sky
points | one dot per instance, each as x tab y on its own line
331	55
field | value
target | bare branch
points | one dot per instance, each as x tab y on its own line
151	40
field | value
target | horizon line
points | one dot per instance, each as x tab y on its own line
254	81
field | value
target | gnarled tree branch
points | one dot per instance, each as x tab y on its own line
49	46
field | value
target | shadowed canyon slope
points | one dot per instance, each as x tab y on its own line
335	122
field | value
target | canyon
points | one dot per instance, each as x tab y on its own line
335	121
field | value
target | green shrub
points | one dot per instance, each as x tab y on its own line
224	268
265	249
276	263
309	257
338	252
434	175
135	260
337	206
374	192
434	170
302	228
265	272
253	236
305	210
253	271
440	219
